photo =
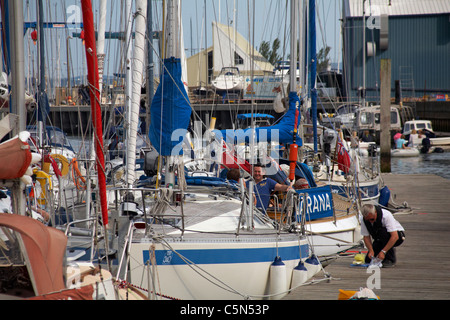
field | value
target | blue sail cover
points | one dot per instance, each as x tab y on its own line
282	132
43	109
170	111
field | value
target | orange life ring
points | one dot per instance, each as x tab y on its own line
77	176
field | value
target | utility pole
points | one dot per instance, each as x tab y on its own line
385	115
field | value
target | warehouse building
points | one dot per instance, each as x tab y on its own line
413	34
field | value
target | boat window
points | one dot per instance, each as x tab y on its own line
394	118
429	126
366	118
57	138
407	127
420	126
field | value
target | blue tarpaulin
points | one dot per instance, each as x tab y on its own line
170	111
282	132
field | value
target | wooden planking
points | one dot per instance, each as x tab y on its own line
423	266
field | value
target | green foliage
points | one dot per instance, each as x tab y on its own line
270	53
323	61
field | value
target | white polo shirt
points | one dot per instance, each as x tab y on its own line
387	221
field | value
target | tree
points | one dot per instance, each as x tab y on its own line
271	54
323	61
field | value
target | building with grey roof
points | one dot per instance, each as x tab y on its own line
413	34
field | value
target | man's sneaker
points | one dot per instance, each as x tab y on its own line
388	264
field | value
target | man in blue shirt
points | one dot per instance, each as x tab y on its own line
264	187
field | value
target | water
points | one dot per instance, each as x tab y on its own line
433	163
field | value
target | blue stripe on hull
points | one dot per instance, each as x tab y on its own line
227	256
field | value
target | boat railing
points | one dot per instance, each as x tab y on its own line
153	204
84	232
287	213
147	206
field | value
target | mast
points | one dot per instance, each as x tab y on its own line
101	44
313	68
17	64
301	54
293	150
172	27
93	79
293	61
170	107
150	63
17	99
363	93
128	75
206	51
42	95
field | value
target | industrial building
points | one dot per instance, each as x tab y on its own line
413	34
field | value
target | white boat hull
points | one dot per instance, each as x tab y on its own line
228	81
441	141
329	238
229	85
213	269
412	152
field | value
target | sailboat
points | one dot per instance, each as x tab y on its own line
341	167
331	214
200	237
33	255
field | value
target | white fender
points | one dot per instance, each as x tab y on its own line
299	275
278	283
313	266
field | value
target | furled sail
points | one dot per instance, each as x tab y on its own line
137	76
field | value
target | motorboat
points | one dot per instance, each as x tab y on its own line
408	152
426	127
229	80
368	119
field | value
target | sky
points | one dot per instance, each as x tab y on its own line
268	25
